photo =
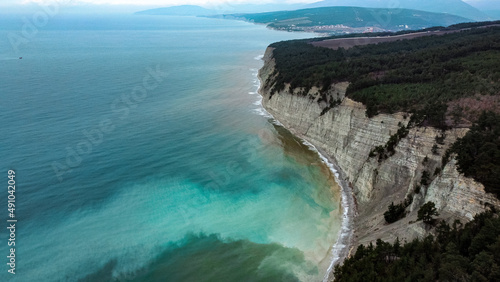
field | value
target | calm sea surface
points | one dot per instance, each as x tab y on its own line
142	153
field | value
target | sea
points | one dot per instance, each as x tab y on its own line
141	152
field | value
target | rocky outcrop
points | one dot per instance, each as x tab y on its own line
347	136
460	196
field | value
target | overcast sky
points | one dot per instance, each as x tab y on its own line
171	2
166	3
155	2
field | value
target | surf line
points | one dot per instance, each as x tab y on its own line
340	248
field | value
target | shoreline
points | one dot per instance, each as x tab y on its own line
341	249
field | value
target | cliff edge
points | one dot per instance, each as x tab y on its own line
348	137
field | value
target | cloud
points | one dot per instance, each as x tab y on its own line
163	3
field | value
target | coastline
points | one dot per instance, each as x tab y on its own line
346	137
341	249
345	239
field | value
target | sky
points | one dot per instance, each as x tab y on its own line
175	2
147	4
163	3
130	6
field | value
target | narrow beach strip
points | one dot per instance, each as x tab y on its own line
341	249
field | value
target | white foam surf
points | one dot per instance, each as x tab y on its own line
259	57
345	231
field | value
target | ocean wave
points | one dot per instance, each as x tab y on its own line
345	231
264	113
259	57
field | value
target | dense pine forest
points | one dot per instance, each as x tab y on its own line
469	252
478	153
421	75
444	81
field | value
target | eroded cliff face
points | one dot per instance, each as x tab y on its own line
347	136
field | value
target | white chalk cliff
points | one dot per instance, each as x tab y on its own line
347	136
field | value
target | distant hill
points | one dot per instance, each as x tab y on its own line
225	8
494	14
353	17
184	10
454	7
256	8
485	5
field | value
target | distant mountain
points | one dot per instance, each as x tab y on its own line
494	14
329	19
489	7
485	5
255	8
184	10
191	10
454	7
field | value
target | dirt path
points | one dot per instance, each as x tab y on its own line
347	43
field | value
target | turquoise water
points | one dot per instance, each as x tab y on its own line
142	154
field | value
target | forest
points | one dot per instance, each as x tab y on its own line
419	75
469	252
478	152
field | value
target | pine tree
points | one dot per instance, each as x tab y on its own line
427	211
